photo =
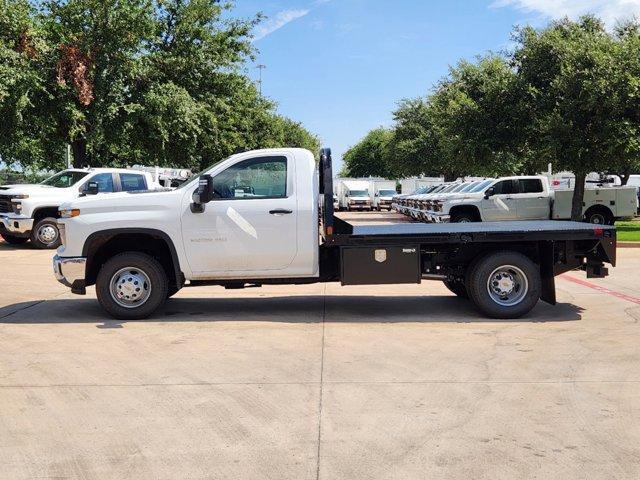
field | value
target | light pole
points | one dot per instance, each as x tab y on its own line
260	67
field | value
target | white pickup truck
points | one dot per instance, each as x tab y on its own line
30	212
528	198
266	217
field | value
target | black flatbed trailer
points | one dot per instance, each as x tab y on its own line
462	254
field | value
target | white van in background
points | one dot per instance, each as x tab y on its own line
381	193
354	195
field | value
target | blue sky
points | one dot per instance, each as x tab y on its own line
341	66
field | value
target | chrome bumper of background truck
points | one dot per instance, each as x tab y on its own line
70	271
15	224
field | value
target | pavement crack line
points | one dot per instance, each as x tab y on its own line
324	314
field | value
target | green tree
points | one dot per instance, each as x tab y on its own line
134	81
369	157
571	73
469	124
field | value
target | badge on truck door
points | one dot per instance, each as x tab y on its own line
380	255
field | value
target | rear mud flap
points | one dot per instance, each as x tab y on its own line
548	293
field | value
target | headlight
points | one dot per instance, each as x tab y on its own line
19	197
68	213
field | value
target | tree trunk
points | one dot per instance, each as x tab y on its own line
578	197
624	176
79	149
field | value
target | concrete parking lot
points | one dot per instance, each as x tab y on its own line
318	381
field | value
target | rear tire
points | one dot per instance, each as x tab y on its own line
45	234
457	287
117	280
504	284
599	216
12	240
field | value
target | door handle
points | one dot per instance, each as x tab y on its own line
280	211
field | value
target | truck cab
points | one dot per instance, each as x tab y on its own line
29	212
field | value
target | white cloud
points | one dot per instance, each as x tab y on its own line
277	22
610	11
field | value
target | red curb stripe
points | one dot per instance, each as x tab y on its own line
600	289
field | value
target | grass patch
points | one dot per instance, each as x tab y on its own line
628	231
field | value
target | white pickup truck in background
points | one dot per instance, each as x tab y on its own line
30	211
523	198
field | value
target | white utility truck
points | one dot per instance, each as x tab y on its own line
266	217
381	193
354	195
30	211
530	198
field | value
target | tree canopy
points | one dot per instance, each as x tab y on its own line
568	94
131	81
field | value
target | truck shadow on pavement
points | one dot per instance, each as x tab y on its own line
286	309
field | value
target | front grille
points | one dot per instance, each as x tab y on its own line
5	204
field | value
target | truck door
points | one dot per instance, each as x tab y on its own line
532	202
250	227
502	204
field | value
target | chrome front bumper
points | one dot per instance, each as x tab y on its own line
15	224
70	271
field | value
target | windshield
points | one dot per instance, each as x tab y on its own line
387	193
358	193
481	186
469	187
448	188
64	179
459	188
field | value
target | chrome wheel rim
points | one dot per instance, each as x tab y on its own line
130	287
507	285
47	234
464	220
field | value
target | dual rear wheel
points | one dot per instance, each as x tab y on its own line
502	284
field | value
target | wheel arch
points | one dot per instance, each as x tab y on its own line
102	245
600	208
43	212
472	209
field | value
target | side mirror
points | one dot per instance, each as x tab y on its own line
377	194
488	193
92	188
203	194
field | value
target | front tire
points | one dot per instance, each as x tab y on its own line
12	240
131	286
45	234
463	217
504	284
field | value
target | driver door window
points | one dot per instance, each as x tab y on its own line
104	181
252	179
